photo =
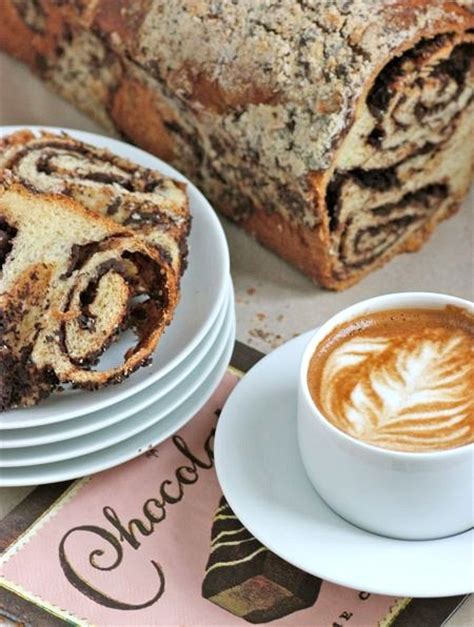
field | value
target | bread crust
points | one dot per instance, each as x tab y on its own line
192	103
306	248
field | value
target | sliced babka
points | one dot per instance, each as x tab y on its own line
144	200
70	282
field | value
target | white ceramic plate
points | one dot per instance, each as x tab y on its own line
262	476
133	424
83	425
202	295
129	448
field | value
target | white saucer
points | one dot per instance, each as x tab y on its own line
129	448
262	476
202	296
133	424
83	425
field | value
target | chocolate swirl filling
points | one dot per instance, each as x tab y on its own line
152	205
91	320
394	175
110	286
71	284
7	235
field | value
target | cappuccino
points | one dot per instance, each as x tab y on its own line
399	379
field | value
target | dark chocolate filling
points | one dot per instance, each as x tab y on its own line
382	90
19	377
392	231
88	295
108	179
456	67
80	253
7	365
376	137
427	198
146	182
378	179
423	196
333	196
114	206
458	64
143	316
7	235
45	164
156	218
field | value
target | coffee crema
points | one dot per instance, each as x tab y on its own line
400	379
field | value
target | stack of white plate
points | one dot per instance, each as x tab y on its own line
76	432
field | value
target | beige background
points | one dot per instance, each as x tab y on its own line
274	302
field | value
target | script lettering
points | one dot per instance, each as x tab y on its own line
131	533
88	589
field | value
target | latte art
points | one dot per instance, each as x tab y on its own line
396	384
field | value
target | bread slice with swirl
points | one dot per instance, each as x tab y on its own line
151	204
70	282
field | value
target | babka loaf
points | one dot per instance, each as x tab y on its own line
152	205
70	282
338	132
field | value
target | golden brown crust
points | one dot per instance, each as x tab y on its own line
31	39
15	36
121	17
147	130
306	249
264	138
298	245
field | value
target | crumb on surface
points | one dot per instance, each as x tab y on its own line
273	340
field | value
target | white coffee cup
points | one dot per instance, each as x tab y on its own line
400	494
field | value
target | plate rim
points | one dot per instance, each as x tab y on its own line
220	241
208	341
198	400
181	392
247	519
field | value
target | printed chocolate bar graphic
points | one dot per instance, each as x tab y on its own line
246	579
